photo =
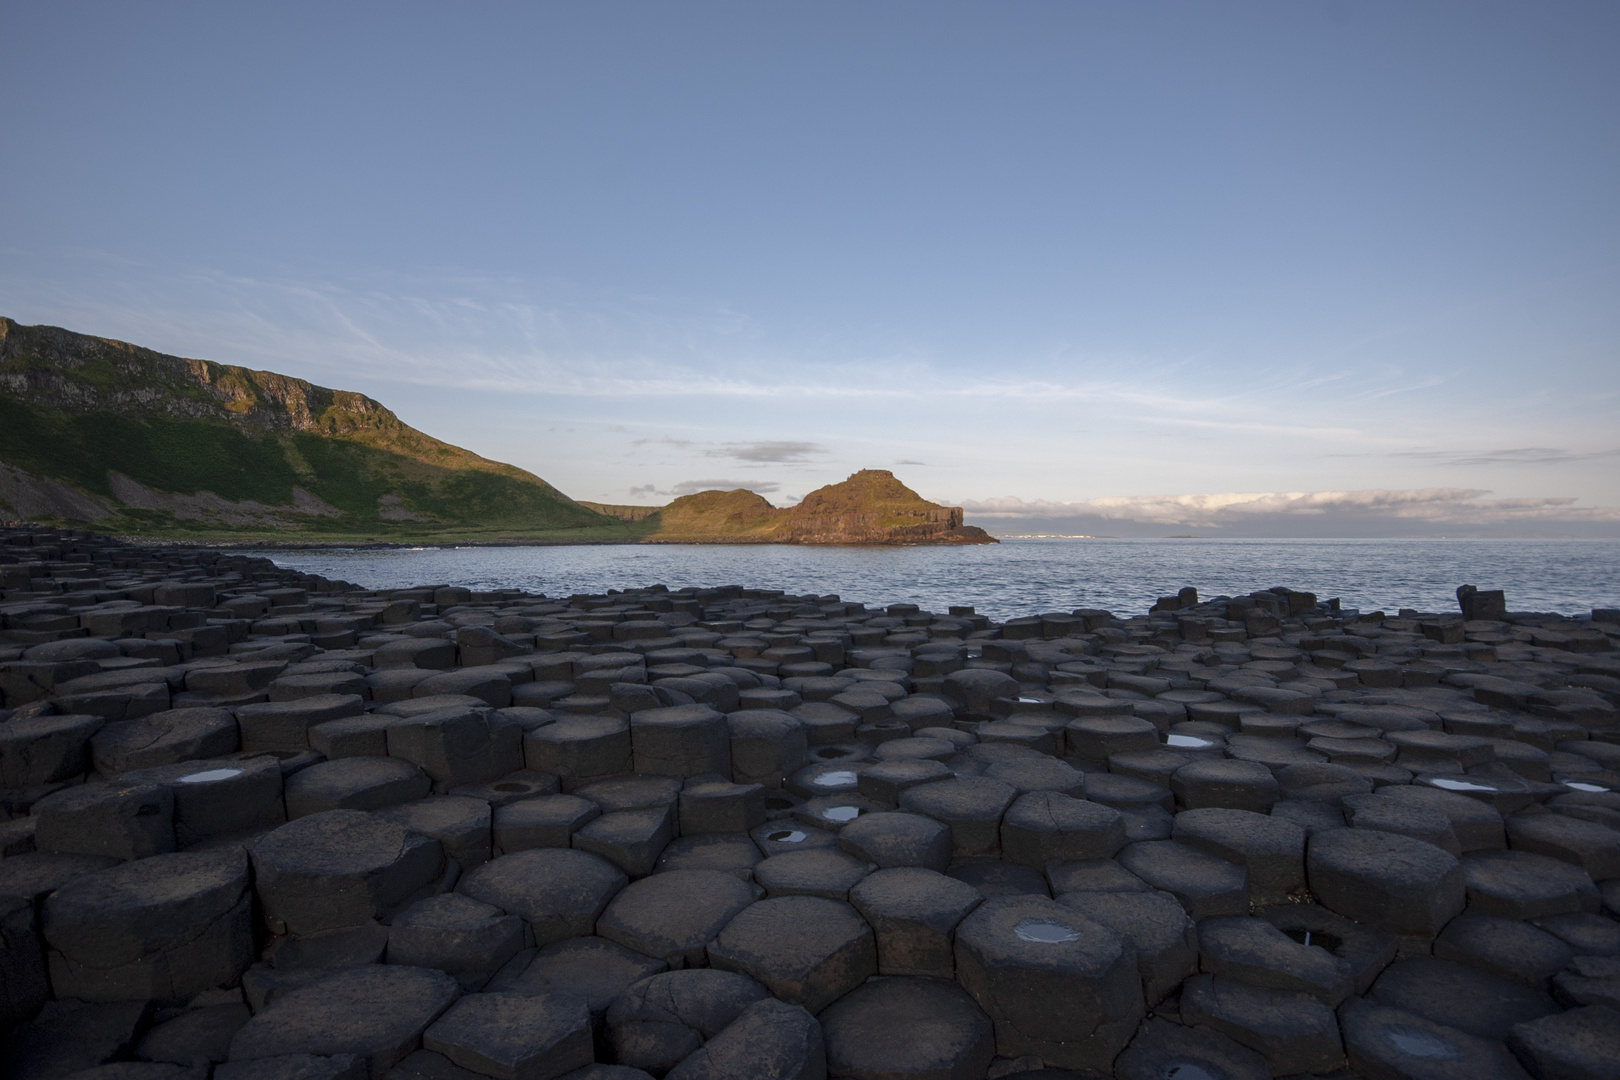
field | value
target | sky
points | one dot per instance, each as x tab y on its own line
1311	267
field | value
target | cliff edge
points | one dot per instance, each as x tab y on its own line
131	440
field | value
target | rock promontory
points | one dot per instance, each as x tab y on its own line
871	507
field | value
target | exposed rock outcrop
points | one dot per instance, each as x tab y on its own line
871	507
94	430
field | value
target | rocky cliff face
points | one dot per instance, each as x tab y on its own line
108	432
871	507
53	368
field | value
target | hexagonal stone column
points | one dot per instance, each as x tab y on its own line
124	821
818	872
663	1019
719	806
1256	952
1365	950
1205	884
1041	826
914	913
515	1036
908	1026
1459	996
467	938
458	746
898	839
23	984
767	746
461	824
672	916
805	949
972	807
162	929
1165	1049
1271	850
284	725
1477	825
631	839
1156	924
1296	1033
355	783
1504	947
1383	814
44	749
769	1040
339	868
683	740
1381	1041
1593	847
579	749
376	1012
1524	885
1582	1042
594	968
559	892
1391	882
1095	738
1056	984
222	797
1240	785
163	738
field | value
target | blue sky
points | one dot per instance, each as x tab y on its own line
1305	267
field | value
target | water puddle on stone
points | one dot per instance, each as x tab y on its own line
1045	931
1460	785
787	836
1420	1044
1188	741
836	778
1030	701
841	813
1189	1071
1581	785
208	776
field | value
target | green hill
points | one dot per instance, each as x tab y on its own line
128	440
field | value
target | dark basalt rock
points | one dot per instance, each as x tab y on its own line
949	838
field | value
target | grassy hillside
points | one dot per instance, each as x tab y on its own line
167	446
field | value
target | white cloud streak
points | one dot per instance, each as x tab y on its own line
1430	506
692	487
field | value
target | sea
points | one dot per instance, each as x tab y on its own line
1022	576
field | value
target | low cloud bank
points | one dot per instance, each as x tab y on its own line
692	487
1374	513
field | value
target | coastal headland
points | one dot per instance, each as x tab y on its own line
135	442
262	824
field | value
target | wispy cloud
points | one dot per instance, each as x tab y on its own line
665	440
515	335
1524	455
776	453
1434	506
692	487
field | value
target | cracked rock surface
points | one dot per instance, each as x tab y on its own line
261	825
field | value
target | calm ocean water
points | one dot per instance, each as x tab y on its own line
1025	577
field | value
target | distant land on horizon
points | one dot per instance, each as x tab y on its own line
127	440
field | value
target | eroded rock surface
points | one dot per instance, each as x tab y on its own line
271	825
